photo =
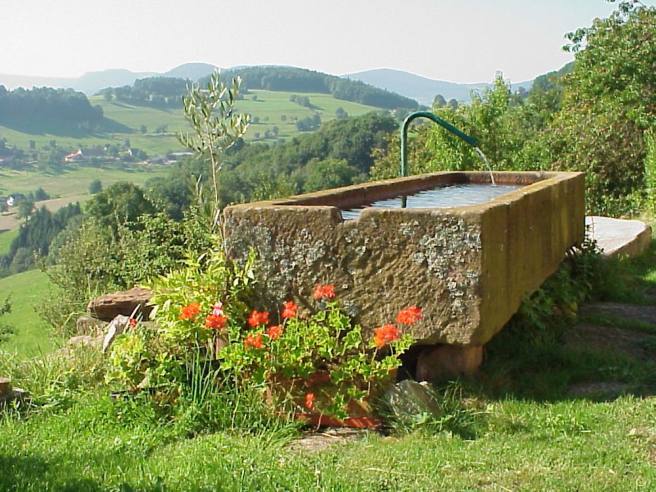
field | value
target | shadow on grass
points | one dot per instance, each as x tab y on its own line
516	367
632	280
23	472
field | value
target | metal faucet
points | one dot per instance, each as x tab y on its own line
444	124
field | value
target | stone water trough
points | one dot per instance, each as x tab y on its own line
468	267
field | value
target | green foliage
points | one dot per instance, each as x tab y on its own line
35	236
216	126
95	187
650	171
324	355
544	316
119	204
301	80
609	100
42	109
328	173
145	359
164	92
89	259
201	316
54	380
5	330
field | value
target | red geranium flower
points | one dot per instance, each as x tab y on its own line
254	341
324	291
289	310
309	401
132	322
215	321
386	334
274	332
257	318
190	311
409	316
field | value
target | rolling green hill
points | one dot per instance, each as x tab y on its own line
268	109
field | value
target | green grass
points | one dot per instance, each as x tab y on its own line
6	237
32	334
528	431
634	280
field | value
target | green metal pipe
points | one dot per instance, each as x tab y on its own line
443	123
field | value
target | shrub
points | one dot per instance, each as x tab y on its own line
208	337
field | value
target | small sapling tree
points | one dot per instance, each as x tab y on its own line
216	127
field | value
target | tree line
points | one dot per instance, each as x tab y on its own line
46	109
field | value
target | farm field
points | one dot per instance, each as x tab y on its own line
269	106
69	186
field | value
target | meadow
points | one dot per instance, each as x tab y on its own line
26	291
268	106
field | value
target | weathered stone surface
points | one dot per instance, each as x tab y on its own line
408	398
444	362
467	267
618	237
88	325
118	325
5	386
124	303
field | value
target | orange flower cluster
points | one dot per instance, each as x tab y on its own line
324	292
290	310
190	311
254	341
274	332
409	316
215	321
257	318
309	401
386	334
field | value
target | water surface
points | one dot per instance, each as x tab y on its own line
458	195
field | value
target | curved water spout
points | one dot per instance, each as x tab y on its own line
444	124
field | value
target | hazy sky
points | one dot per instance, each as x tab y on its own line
459	40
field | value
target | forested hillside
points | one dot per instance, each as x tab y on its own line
301	80
48	110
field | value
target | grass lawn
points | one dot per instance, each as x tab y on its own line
31	333
567	445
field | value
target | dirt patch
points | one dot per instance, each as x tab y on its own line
319	440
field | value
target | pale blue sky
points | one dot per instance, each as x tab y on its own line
458	40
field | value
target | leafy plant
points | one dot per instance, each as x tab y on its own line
320	363
208	339
216	126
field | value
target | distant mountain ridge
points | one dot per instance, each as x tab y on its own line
416	87
92	82
421	89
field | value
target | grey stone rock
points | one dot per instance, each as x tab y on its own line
408	398
118	326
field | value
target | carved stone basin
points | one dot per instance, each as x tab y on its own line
468	267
